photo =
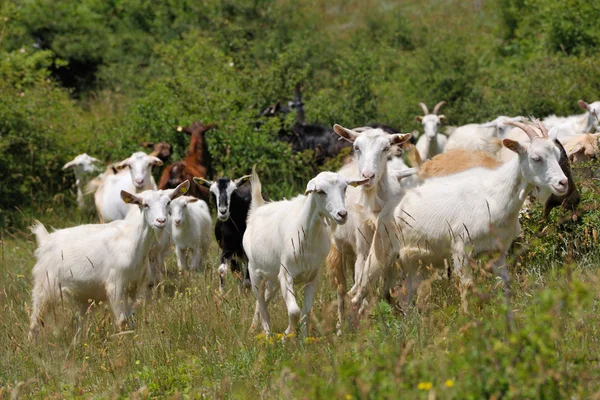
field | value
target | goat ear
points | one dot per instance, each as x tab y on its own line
69	164
345	133
147	145
442	117
419	118
514	146
130	198
156	161
310	187
121	165
358	182
399	138
553	133
240	181
191	199
203	182
180	190
583	105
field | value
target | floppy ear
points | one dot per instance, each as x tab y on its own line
442	117
180	190
553	133
156	161
583	105
490	124
358	182
121	165
310	187
419	118
69	164
345	133
514	146
240	181
203	182
94	159
399	138
131	199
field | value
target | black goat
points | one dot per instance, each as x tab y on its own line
569	200
232	199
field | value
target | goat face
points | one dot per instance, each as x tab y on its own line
594	112
539	163
140	166
431	122
82	164
178	209
371	150
222	189
329	191
155	204
500	125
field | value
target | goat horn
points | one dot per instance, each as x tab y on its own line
424	107
528	129
542	128
438	106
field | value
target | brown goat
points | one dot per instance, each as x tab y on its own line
193	165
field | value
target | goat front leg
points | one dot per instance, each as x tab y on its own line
287	290
499	268
196	259
309	294
463	271
118	301
223	267
181	258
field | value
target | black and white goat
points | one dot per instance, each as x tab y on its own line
232	198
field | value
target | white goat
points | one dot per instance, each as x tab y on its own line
454	217
476	136
352	241
83	166
138	179
287	242
102	262
575	124
191	229
431	142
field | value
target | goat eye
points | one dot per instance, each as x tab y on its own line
146	206
536	159
320	192
387	148
356	149
168	203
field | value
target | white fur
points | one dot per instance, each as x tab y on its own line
353	239
476	136
191	228
83	166
455	217
431	143
287	242
102	262
575	124
136	180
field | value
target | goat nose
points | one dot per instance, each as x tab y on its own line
161	220
177	221
139	181
368	174
343	214
563	182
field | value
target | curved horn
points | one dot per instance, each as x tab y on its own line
542	128
528	129
438	106
424	107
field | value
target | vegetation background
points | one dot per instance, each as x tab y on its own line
101	76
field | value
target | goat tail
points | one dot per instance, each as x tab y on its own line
491	145
412	156
40	232
257	199
335	267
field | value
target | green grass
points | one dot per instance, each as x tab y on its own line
191	340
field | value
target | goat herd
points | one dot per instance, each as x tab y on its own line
377	216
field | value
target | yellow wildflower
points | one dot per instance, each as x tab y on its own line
424	385
449	383
349	397
137	362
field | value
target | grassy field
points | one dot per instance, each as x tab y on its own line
190	340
